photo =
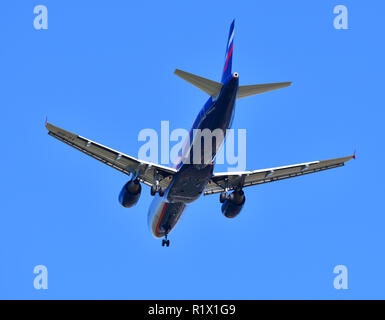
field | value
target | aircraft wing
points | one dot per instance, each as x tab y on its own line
145	171
228	181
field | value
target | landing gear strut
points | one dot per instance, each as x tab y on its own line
156	188
165	242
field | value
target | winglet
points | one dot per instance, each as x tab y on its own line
354	155
46	121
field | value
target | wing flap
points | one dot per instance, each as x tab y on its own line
232	180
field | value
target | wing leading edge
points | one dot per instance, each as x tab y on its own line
227	181
147	172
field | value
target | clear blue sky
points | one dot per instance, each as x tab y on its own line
105	71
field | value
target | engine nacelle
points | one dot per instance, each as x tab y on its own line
233	205
130	193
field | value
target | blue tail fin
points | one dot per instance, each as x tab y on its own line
229	54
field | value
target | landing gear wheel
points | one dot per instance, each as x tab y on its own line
157	189
165	241
223	197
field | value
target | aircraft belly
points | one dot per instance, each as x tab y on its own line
191	180
164	216
189	183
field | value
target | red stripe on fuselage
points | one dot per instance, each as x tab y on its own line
160	219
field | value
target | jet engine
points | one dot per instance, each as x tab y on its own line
232	204
130	193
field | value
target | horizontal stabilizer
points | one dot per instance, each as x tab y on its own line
212	88
247	91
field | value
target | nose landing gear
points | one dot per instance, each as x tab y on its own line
165	242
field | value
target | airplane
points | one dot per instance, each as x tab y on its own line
174	188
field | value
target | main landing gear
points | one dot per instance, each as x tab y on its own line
165	242
157	189
223	197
